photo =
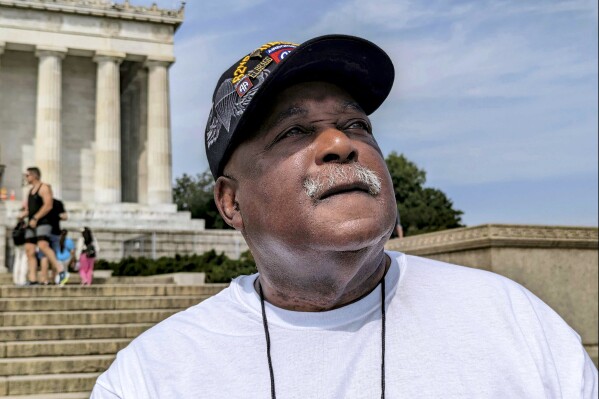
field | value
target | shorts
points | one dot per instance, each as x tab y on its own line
54	242
40	233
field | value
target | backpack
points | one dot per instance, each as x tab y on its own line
90	251
18	233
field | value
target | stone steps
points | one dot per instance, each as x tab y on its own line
47	383
60	332
55	364
70	395
74	279
55	341
63	347
99	278
50	318
109	290
97	303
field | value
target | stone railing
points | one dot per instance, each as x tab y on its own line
498	235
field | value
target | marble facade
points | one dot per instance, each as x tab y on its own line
84	96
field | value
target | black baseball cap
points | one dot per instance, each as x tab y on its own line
357	65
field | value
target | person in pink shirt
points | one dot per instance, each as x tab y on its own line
87	251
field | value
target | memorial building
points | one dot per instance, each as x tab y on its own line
84	96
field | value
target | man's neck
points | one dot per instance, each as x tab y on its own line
354	277
35	185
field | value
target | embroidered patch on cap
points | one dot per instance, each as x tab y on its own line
240	70
279	52
260	67
243	86
227	109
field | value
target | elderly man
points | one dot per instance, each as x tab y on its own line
331	314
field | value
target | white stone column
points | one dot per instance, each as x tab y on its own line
27	160
86	158
107	176
2	47
141	115
48	123
159	132
3	222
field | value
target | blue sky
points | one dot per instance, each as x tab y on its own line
496	100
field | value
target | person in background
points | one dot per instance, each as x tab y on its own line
87	251
39	204
65	249
57	214
19	268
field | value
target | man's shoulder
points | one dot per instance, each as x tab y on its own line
212	316
435	284
199	335
419	273
45	188
441	270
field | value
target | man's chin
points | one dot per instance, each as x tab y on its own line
353	235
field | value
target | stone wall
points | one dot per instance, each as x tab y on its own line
78	122
558	264
18	85
118	242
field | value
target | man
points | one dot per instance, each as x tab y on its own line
39	228
331	314
55	216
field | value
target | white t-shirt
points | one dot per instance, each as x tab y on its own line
451	332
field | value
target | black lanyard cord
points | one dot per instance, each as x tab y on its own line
267	335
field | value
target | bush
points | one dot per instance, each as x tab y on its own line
218	267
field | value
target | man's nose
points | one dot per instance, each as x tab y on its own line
332	145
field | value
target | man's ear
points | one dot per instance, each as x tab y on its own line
225	197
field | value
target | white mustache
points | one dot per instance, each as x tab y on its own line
336	174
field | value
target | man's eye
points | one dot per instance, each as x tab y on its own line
359	125
294	131
291	132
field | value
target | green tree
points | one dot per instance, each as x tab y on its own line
194	194
422	209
